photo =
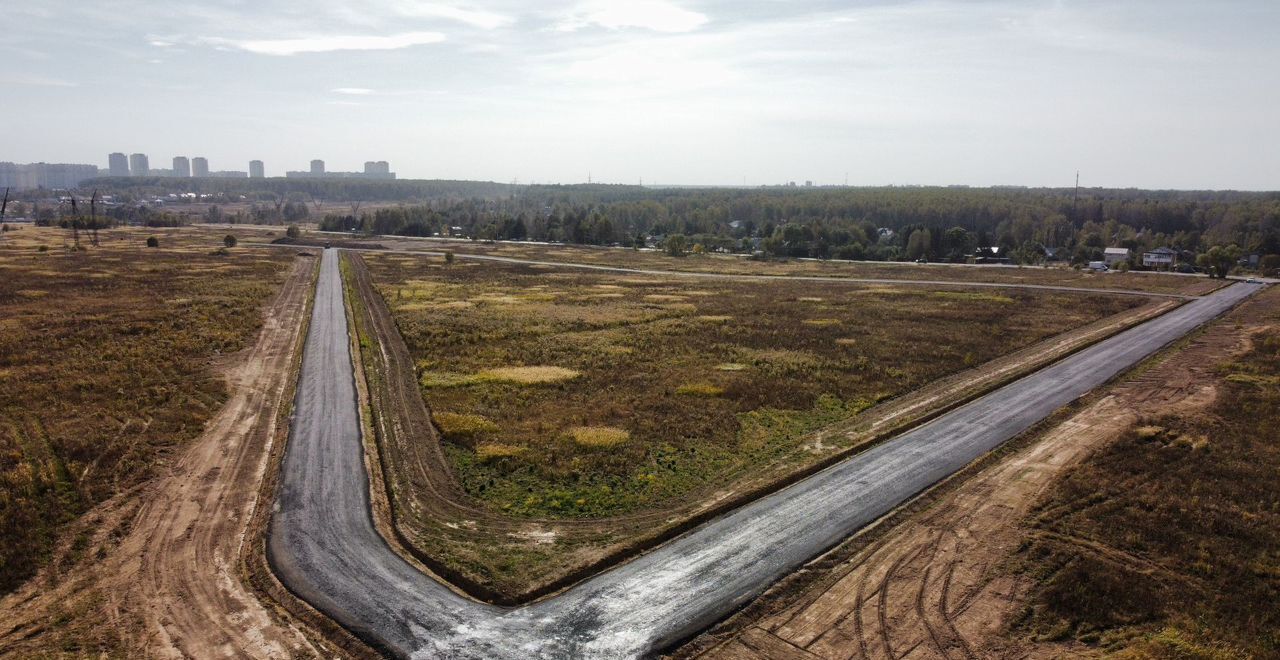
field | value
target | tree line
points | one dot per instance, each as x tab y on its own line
936	224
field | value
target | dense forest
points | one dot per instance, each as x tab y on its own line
1019	225
936	224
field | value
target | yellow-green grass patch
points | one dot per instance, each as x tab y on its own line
492	451
462	426
511	375
599	437
700	389
973	296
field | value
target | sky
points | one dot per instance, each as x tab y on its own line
1148	93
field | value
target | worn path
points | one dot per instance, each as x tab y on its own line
323	545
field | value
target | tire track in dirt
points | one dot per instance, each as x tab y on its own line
173	585
979	519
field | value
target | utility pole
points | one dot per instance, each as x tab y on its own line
75	222
1075	217
5	204
93	217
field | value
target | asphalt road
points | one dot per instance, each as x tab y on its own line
323	545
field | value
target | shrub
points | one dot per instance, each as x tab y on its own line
229	241
43	248
153	242
448	257
293	231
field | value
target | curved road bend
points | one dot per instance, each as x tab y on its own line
323	545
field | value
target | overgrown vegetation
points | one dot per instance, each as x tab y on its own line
1167	543
533	372
105	361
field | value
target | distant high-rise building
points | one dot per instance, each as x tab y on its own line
256	170
181	166
45	175
200	166
138	165
380	169
118	164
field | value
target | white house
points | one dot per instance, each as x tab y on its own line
1114	255
1161	257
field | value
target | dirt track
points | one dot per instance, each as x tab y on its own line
172	584
933	587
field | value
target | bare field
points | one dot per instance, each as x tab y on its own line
107	359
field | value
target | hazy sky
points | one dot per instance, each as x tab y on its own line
1161	93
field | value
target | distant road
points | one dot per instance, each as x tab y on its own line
835	279
323	545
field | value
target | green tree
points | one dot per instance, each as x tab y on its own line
918	244
229	241
676	244
1219	260
153	242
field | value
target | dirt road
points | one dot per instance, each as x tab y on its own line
932	587
167	580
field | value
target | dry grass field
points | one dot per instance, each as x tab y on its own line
572	394
1167	543
108	359
1058	275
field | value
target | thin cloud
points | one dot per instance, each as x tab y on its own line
656	15
485	20
326	44
352	91
35	80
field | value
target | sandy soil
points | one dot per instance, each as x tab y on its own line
166	579
933	587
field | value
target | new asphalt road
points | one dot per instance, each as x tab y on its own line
323	546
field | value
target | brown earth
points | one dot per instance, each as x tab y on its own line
437	522
937	585
166	578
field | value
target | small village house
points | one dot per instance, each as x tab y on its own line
1114	255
